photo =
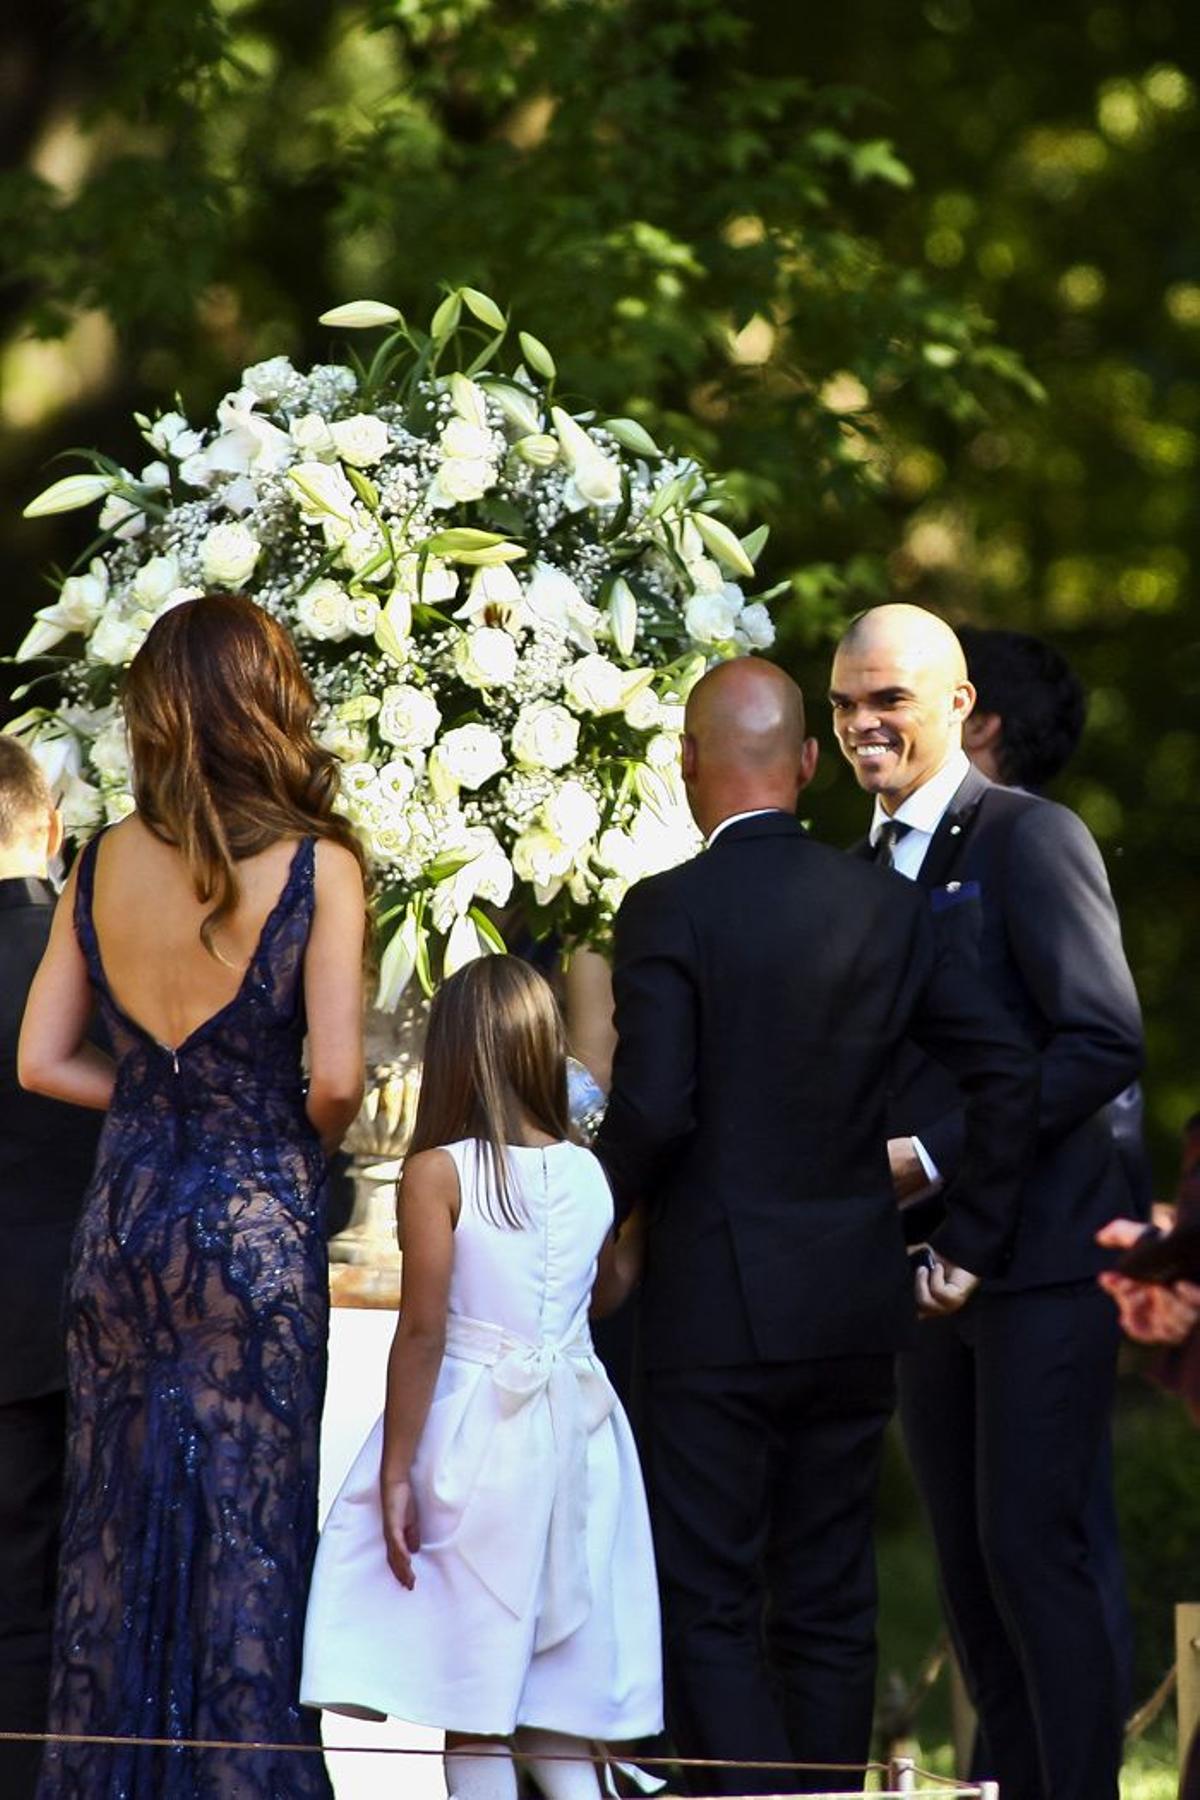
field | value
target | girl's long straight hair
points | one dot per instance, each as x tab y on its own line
219	714
495	1056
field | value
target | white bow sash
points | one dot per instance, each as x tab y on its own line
522	1500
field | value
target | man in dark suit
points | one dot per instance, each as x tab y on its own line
762	992
1005	1407
1029	713
46	1156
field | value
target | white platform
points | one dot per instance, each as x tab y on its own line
358	1350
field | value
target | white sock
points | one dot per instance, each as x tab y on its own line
480	1771
557	1780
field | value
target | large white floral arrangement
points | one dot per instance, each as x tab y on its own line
501	605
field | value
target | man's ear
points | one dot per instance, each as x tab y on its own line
983	731
54	833
689	759
809	758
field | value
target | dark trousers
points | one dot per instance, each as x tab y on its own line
1005	1410
32	1435
762	1482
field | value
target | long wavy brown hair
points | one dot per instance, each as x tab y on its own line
495	1058
219	714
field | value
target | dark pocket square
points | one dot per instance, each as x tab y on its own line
941	899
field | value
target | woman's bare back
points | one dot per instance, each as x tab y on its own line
148	920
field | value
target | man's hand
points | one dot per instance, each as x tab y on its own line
908	1171
401	1532
943	1289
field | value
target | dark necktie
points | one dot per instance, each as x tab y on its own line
885	844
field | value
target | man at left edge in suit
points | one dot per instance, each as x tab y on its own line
46	1156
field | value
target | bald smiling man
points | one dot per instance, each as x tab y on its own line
762	994
1006	1405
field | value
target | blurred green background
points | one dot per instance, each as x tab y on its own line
924	278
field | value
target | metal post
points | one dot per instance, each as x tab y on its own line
989	1790
1187	1665
902	1775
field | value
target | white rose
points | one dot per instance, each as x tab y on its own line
359	780
155	475
458	438
662	751
645	711
545	736
408	717
362	615
572	814
472	754
396	782
173	436
485	657
595	685
360	440
485	873
312	437
756	626
118	806
323	492
322	612
122	517
461	478
388	836
155	581
438	581
81	806
349	742
228	555
110	752
115	641
711	618
542	859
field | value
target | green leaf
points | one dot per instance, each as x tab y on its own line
484	308
445	319
723	543
487	930
755	542
537	355
633	437
364	487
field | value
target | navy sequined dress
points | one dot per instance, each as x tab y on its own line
197	1318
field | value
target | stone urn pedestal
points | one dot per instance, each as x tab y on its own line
364	1258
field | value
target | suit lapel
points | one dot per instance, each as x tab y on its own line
954	828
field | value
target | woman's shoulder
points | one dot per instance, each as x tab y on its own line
431	1175
336	866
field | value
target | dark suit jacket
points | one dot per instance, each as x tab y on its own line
46	1155
762	994
1019	882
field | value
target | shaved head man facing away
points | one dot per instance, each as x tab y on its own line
762	992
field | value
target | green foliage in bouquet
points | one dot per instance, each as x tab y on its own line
501	604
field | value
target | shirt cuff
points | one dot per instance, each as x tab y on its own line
932	1172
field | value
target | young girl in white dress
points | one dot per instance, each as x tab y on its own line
487	1566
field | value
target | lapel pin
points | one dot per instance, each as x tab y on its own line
955	830
952	887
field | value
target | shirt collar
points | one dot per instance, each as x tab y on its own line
923	810
759	812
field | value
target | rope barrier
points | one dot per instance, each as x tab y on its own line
901	1769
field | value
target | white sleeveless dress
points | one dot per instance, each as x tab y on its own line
536	1601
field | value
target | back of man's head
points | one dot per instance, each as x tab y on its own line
1030	705
26	808
745	747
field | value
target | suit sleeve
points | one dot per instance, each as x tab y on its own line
963	1026
1065	940
651	1107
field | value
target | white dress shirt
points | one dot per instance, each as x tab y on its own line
922	812
760	812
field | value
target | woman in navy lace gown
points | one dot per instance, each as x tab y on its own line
218	927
